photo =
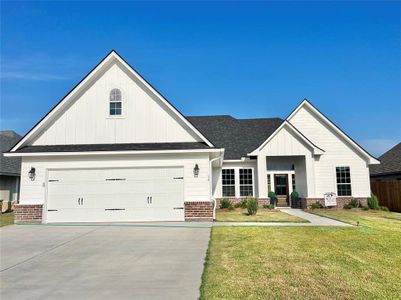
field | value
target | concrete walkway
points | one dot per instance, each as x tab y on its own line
314	220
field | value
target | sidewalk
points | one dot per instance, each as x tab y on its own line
314	220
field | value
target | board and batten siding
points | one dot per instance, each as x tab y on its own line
195	188
337	153
144	118
286	143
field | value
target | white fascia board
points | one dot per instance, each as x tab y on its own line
371	159
316	150
86	153
112	55
242	159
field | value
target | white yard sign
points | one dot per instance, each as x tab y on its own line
330	199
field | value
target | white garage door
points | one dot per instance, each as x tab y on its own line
116	195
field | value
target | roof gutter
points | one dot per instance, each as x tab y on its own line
211	180
130	152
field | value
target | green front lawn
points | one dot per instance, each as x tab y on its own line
361	262
263	215
6	219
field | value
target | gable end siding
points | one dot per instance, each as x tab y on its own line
87	121
337	153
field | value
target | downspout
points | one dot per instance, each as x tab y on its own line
211	184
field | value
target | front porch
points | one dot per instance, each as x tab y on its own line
283	175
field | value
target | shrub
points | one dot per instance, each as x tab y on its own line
384	208
315	205
252	206
347	206
273	197
294	195
354	202
226	203
373	202
365	207
243	203
268	206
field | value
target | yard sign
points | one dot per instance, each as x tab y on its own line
330	199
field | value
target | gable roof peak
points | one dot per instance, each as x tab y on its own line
67	98
371	159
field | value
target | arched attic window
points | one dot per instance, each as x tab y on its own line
115	102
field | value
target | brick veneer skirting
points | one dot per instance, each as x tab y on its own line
29	213
199	211
307	202
261	201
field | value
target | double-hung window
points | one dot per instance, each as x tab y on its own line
115	103
228	182
245	182
343	181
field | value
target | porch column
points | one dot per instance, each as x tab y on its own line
262	177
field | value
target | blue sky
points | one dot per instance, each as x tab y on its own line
244	59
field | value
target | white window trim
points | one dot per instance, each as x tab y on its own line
237	182
335	179
122	91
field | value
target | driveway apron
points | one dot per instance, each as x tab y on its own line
126	261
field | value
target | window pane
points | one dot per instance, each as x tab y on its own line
115	95
293	181
343	175
228	176
246	190
228	191
245	176
115	106
246	182
228	182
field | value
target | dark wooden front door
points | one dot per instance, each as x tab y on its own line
281	189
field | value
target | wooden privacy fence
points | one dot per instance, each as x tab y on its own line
388	193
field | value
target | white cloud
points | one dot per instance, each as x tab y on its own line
378	146
37	67
23	75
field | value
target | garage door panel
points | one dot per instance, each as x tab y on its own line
116	195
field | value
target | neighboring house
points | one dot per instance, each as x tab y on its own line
390	166
10	170
115	150
386	179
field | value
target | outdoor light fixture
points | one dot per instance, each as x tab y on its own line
196	170
32	174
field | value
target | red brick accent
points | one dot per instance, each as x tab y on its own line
307	202
261	201
29	213
199	211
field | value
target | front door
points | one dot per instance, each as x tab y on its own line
281	189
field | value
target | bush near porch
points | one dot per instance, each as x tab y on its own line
360	262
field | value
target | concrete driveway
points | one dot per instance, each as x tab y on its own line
103	262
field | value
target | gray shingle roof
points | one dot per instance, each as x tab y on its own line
390	162
237	136
113	147
9	165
